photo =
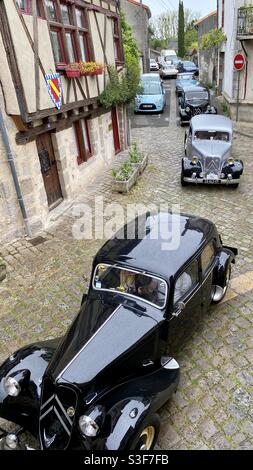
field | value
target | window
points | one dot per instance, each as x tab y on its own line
84	148
115	279
25	6
116	38
223	14
186	282
71	43
207	257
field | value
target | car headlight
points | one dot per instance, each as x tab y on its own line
187	109
91	423
195	160
231	161
88	426
11	386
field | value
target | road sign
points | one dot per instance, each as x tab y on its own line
239	62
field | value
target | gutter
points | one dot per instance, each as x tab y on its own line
10	159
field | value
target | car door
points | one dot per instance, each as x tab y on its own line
186	306
207	263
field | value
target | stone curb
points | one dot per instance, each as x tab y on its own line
2	270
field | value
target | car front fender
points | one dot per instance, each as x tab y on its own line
27	366
223	259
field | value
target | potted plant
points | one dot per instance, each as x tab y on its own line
138	158
125	177
73	70
87	68
99	69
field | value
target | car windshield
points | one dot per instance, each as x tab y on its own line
193	95
151	89
212	135
189	64
148	288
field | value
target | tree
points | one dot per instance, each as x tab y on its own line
181	30
191	36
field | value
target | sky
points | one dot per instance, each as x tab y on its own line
201	6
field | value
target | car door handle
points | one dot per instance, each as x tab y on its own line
180	308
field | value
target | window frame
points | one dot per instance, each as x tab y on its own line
194	287
207	270
28	9
83	155
73	29
117	39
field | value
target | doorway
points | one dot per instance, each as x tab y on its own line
115	127
49	170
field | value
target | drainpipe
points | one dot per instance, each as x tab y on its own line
11	162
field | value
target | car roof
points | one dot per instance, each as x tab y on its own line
185	74
211	122
149	75
149	253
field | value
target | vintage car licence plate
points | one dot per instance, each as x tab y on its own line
212	179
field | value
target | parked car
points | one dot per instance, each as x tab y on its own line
153	65
152	98
168	70
208	152
101	385
194	100
188	66
185	80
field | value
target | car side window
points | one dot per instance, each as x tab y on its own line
186	282
207	257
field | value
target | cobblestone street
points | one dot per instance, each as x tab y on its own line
213	408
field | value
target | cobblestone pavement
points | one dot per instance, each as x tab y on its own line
213	408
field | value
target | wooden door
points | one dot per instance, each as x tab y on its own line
115	127
49	170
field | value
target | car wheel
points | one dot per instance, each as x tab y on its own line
147	435
227	280
234	186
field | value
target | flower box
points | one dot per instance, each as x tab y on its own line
142	164
125	186
72	73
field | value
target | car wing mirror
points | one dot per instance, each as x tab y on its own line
179	308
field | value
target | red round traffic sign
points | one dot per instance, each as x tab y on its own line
239	62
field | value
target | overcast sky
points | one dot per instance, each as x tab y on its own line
202	6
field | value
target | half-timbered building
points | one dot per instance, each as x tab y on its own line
57	150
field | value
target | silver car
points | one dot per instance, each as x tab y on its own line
208	152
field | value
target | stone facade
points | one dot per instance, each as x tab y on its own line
228	21
207	59
138	18
73	176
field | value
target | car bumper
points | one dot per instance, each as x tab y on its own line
225	181
157	109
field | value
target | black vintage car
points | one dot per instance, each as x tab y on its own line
194	100
101	385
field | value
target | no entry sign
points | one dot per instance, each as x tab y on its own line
239	62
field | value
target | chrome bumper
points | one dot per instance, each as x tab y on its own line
226	181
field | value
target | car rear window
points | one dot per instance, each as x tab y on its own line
115	279
209	135
193	95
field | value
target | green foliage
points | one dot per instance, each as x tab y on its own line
124	173
122	89
212	40
135	154
191	38
225	109
181	30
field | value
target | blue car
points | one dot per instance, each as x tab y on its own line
186	66
185	80
152	99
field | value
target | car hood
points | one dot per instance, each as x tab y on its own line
149	98
211	148
197	103
102	333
